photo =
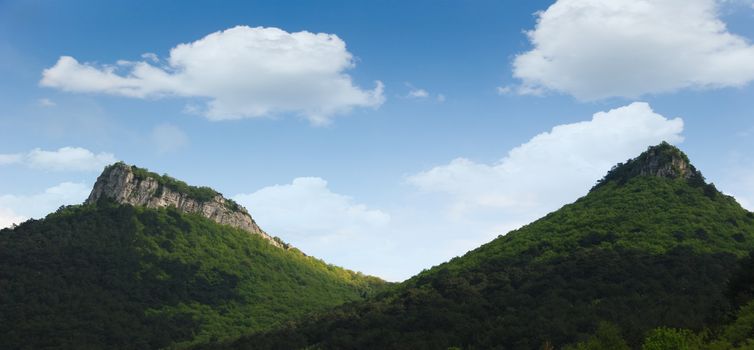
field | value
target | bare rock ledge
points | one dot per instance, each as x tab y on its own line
120	183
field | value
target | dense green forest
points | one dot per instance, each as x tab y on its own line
736	333
640	260
111	276
652	258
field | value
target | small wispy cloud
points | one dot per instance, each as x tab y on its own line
46	102
151	57
6	159
504	90
420	93
62	159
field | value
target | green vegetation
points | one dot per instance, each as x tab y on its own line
636	254
664	338
120	277
608	336
736	334
641	262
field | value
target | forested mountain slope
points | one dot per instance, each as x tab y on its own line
107	275
652	244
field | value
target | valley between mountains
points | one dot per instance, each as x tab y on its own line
652	257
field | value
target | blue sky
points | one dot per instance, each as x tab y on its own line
418	131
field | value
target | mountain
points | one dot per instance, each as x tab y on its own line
139	187
651	245
150	262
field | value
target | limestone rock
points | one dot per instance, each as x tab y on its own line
666	161
663	160
129	185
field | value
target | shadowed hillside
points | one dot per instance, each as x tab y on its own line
651	245
114	276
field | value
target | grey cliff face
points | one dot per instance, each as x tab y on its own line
658	164
663	160
119	183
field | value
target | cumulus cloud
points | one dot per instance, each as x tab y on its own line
462	204
735	3
243	71
17	208
319	221
62	159
594	49
455	207
553	168
168	138
307	209
9	218
741	189
737	179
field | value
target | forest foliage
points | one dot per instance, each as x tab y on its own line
639	259
640	262
122	277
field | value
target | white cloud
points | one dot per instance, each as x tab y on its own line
737	179
418	93
459	205
320	222
551	169
392	243
8	218
46	102
595	49
741	189
735	3
243	71
307	209
504	90
17	208
151	57
63	159
69	159
10	158
168	138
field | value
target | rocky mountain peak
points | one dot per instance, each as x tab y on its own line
663	160
126	184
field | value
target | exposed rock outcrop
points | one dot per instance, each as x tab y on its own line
666	161
127	184
663	160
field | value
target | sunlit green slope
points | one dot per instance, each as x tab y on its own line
651	245
111	276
